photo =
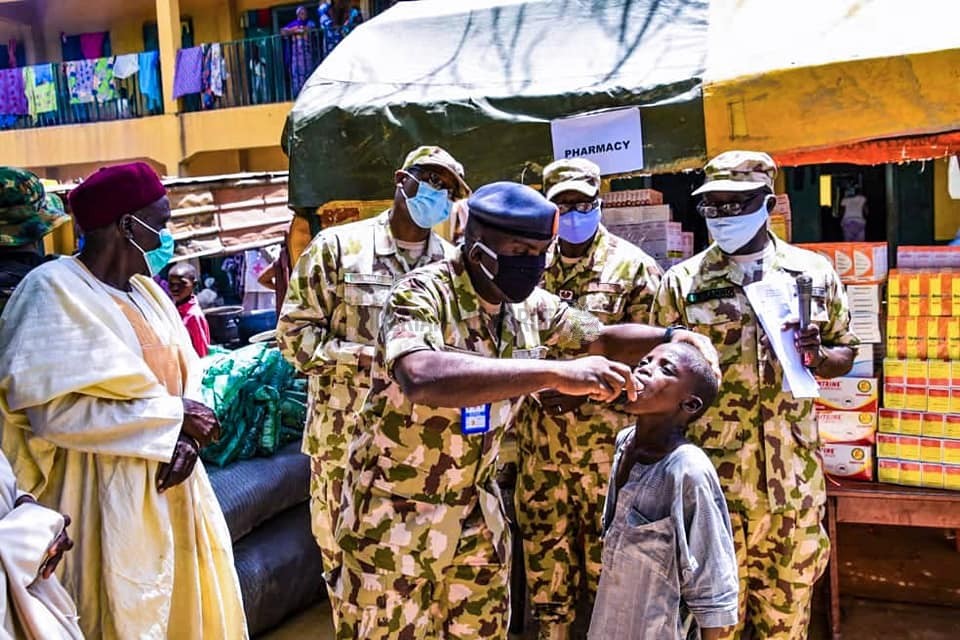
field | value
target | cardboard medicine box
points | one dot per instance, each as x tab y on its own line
848	394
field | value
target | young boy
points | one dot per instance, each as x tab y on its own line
668	548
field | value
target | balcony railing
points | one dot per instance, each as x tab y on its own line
258	71
124	100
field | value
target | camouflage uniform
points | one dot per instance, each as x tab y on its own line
762	440
327	329
425	544
27	214
565	460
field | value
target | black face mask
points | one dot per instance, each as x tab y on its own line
517	276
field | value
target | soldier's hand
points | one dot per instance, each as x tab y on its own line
557	403
597	378
703	345
809	344
200	422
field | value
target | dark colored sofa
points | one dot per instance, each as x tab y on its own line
265	504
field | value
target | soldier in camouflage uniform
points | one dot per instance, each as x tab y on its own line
566	445
27	214
761	439
425	544
331	315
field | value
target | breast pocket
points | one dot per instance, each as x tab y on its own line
606	300
364	300
722	322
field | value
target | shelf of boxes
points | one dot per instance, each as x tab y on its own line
848	406
919	425
639	216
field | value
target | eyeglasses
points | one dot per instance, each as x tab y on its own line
579	207
727	210
432	178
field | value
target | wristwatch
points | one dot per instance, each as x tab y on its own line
668	334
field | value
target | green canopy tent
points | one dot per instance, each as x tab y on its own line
484	78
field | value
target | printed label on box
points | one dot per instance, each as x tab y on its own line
848	394
931	475
951	477
887	446
852	462
951	451
889	420
888	471
910	473
952	426
931	450
933	426
916	398
938	400
847	426
911	423
908	448
894	396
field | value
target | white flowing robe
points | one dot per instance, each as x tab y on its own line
86	424
30	607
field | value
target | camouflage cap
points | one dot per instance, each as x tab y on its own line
433	156
572	174
27	211
739	171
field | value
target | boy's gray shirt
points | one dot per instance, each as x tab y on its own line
683	492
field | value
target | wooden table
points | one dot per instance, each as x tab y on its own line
882	504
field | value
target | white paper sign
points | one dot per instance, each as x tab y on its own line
774	302
612	139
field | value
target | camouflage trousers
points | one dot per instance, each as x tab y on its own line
559	511
325	492
780	556
471	600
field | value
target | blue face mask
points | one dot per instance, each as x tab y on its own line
429	207
576	227
158	258
733	232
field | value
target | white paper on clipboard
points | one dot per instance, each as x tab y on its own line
774	301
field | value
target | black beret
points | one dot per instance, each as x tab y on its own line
514	208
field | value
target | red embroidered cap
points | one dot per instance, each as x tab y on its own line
110	193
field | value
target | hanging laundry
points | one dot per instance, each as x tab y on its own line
13	98
125	66
92	45
149	63
188	76
40	89
70	46
104	87
80	80
213	75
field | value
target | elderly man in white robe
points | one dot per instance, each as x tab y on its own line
33	539
96	379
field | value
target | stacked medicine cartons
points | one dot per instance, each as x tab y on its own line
847	408
640	216
780	218
919	440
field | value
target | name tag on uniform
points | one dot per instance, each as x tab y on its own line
711	294
474	420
